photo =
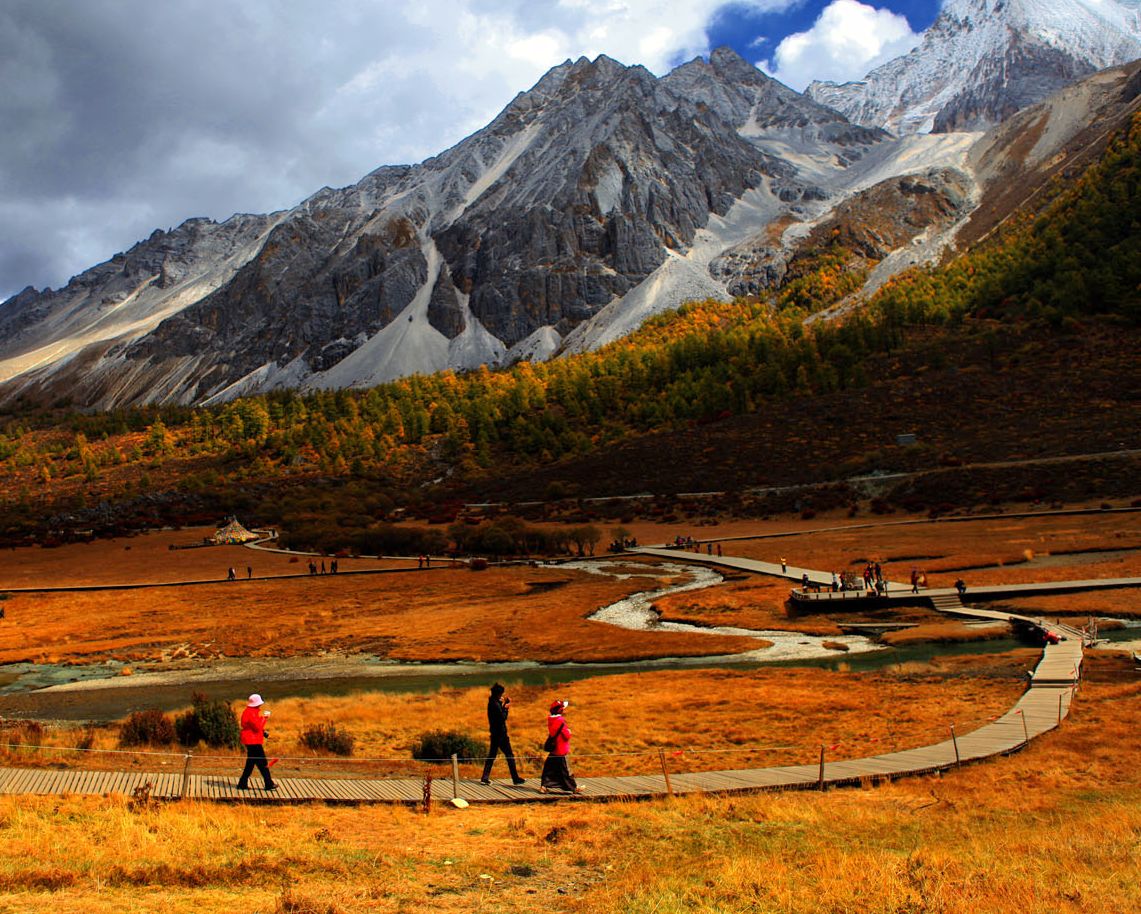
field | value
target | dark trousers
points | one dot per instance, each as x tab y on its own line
255	758
500	742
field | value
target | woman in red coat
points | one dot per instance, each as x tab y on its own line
556	772
253	738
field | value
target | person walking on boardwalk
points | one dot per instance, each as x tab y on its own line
498	707
253	736
556	771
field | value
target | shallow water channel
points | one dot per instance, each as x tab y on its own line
97	692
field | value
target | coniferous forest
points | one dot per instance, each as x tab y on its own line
1074	263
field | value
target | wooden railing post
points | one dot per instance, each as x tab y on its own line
1060	693
455	776
665	772
1025	731
186	776
955	743
820	778
427	807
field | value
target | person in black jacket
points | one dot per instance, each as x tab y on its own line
498	706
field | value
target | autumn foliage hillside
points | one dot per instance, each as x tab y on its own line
1072	268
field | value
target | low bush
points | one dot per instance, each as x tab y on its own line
328	738
443	744
147	728
22	733
212	722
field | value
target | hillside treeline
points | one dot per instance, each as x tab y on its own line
1079	256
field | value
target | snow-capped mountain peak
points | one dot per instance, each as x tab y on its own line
982	60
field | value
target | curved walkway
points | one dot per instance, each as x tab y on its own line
1041	708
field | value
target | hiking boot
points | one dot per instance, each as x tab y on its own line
518	781
271	787
485	781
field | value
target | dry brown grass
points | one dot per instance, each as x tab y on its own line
983	551
442	614
944	633
706	719
1054	828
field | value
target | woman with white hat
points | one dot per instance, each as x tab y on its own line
253	735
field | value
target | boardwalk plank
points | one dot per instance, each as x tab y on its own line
20	781
41	783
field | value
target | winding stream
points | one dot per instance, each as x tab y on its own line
98	692
637	613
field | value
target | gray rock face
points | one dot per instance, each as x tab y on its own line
1027	73
640	171
869	226
569	199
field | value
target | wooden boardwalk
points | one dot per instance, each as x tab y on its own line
1040	709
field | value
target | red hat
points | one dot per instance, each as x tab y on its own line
557	706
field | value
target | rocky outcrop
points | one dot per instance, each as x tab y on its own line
569	199
865	229
599	197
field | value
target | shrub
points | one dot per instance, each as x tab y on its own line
212	722
24	733
328	738
443	744
146	728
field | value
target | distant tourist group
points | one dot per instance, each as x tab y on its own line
621	545
872	581
691	545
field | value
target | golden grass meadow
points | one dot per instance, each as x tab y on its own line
1055	827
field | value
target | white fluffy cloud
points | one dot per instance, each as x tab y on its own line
847	40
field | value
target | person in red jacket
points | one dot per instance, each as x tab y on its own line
556	773
253	735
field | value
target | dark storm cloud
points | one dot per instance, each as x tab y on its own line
153	112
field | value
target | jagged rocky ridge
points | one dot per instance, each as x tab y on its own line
983	60
597	198
571	198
